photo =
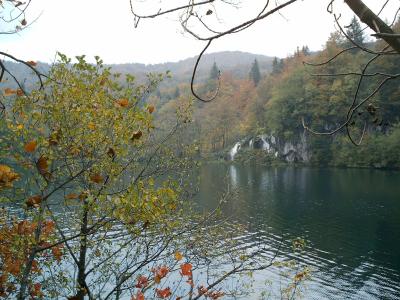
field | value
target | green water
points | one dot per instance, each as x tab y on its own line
349	218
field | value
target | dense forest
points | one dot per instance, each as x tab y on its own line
273	106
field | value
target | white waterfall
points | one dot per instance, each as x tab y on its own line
234	151
251	143
265	145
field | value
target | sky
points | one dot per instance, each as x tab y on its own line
106	29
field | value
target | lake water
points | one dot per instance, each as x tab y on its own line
349	218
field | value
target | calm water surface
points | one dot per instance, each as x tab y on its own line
349	218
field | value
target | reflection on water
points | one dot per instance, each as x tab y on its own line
233	176
350	220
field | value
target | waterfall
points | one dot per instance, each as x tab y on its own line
251	143
234	151
265	145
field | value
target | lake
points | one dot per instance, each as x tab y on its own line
349	218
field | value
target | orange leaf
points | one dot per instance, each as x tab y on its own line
23	227
139	296
71	196
142	282
14	268
9	92
32	63
123	102
97	178
34	201
35	267
20	92
186	269
178	256
150	109
136	135
31	146
57	253
42	165
160	273
164	293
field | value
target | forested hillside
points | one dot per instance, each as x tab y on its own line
275	108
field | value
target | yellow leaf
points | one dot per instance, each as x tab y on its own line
178	256
7	176
54	138
20	126
91	126
31	146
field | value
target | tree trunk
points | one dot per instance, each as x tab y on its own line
81	278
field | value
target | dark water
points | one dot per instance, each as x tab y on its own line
349	218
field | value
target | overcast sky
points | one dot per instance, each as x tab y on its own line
105	28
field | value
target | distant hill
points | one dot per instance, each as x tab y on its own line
236	62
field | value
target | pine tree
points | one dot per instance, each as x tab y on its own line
354	32
275	66
214	73
255	74
305	50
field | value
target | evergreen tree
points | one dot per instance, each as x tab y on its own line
354	32
275	66
255	74
214	73
305	50
281	64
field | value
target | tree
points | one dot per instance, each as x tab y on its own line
255	74
275	66
214	72
355	33
305	50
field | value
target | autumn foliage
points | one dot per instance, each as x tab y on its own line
16	243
